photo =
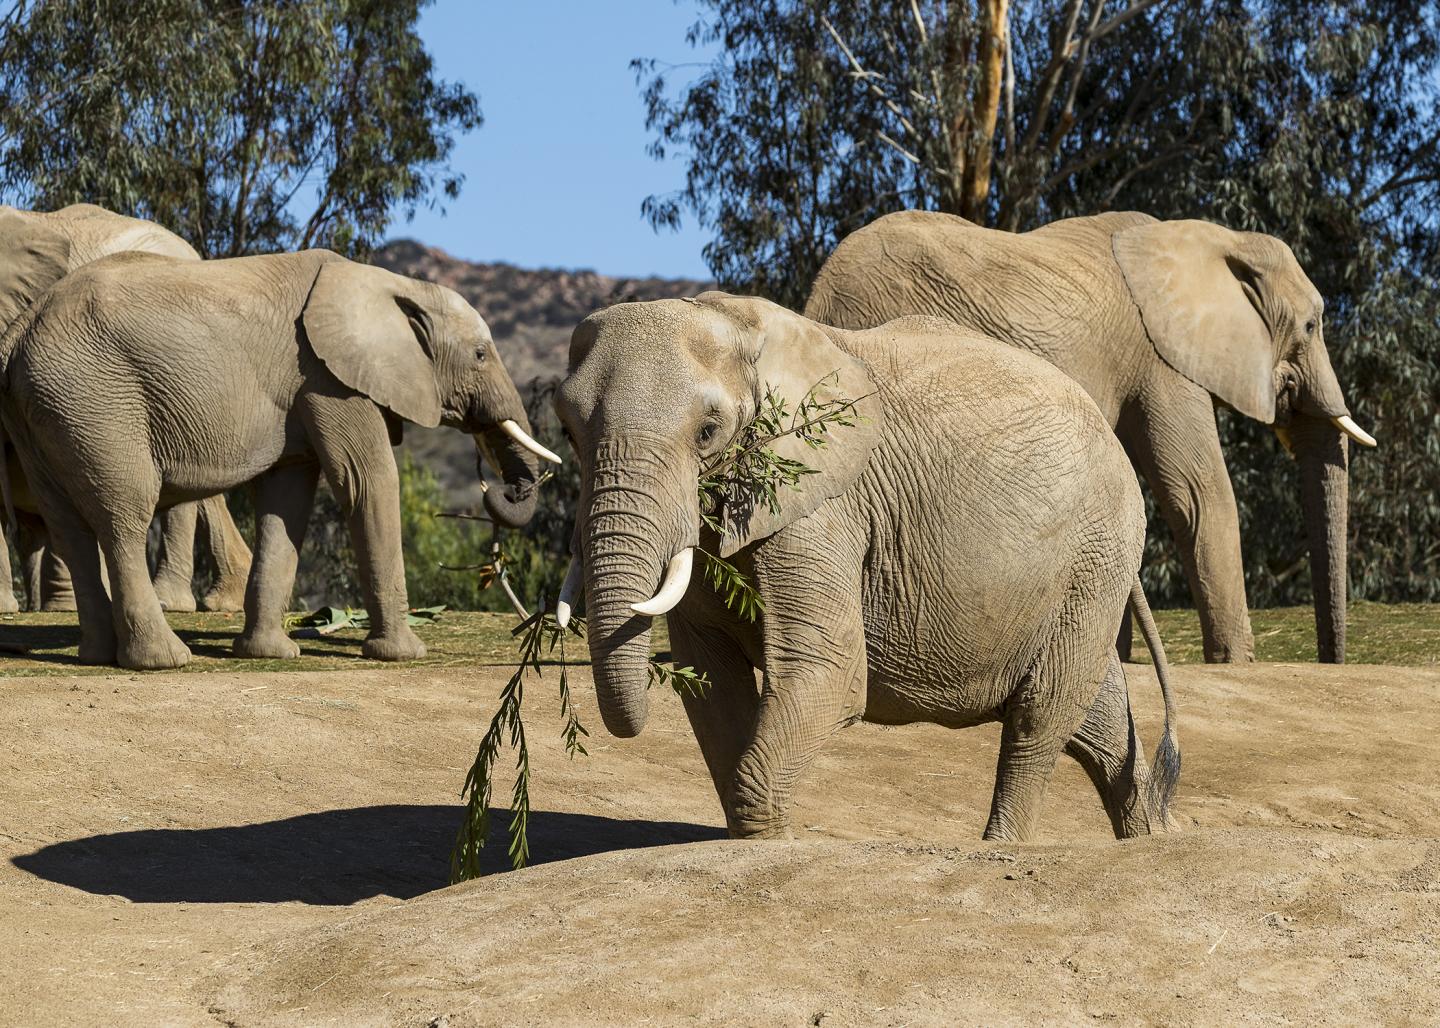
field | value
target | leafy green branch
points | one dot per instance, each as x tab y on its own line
749	473
538	634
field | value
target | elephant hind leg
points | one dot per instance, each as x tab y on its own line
1042	715
8	603
176	567
144	640
72	542
1107	746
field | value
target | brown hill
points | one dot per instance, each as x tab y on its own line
531	313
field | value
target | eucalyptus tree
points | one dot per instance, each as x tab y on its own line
1317	121
243	125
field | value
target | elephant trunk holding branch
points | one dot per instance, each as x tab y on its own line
1158	321
36	248
140	382
962	552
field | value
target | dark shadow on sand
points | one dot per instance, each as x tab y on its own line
334	857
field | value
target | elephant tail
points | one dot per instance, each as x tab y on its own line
1165	772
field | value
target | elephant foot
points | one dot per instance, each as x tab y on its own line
1228	655
175	595
156	650
1230	646
403	645
97	651
229	596
62	602
8	603
743	827
266	645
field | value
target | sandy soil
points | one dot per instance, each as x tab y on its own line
271	849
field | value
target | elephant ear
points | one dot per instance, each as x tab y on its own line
373	330
1199	289
32	257
794	358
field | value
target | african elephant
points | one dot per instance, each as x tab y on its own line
961	554
139	381
35	248
1158	321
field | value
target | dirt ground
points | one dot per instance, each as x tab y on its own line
271	848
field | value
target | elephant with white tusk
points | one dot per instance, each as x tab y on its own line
961	554
138	382
1159	321
37	247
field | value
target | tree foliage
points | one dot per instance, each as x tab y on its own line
820	115
245	126
1317	121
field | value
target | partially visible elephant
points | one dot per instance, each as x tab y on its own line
1159	321
962	554
138	382
36	247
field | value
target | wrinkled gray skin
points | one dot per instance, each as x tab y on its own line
1158	321
963	555
33	246
140	382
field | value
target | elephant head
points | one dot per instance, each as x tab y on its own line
32	257
420	351
655	392
1234	313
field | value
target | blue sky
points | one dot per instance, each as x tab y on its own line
555	176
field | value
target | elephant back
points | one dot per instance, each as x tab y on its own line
95	232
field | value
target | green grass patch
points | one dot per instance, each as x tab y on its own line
45	644
1377	633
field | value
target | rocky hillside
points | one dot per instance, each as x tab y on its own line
531	313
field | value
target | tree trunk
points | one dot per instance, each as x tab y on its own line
994	38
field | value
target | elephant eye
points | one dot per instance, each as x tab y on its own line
706	435
481	352
1310	327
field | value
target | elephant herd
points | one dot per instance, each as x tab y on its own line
964	552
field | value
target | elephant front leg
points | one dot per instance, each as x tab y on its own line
176	567
47	580
814	683
57	587
283	499
33	543
228	552
353	443
723	719
1177	447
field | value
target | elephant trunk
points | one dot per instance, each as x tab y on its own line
511	504
1321	450
637	520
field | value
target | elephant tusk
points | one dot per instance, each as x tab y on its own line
1354	431
1283	434
569	592
672	590
517	433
